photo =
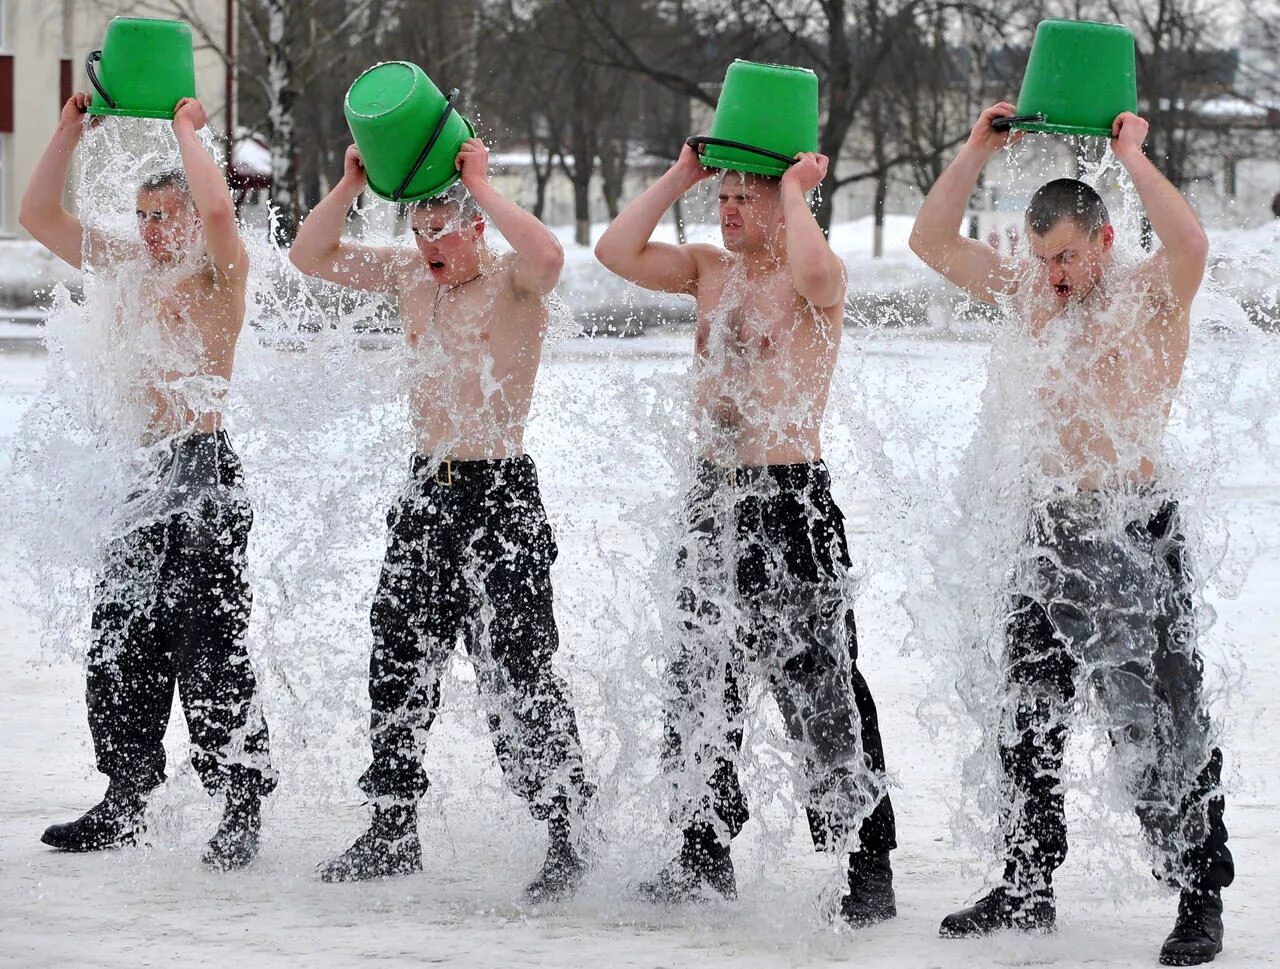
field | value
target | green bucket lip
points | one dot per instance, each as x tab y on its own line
710	160
436	190
1045	128
775	66
131	112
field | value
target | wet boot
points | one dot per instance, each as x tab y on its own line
1197	935
115	821
235	844
870	899
389	847
703	863
1011	905
563	869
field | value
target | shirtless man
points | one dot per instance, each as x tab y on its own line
172	604
1097	599
469	551
762	570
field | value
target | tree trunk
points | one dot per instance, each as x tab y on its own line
582	204
280	123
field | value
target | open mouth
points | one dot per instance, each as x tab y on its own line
1063	290
435	265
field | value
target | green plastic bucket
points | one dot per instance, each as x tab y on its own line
145	67
1080	76
766	114
408	132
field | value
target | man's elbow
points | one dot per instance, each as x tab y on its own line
1198	245
31	218
917	242
551	262
604	252
302	260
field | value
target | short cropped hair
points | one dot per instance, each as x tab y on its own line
1066	198
174	178
456	197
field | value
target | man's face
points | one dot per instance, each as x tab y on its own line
750	212
449	242
167	223
1071	259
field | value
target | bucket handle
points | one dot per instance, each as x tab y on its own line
701	141
93	78
431	143
1006	123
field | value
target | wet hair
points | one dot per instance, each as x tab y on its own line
174	178
456	197
1066	198
749	178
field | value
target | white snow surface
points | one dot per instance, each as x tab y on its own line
157	905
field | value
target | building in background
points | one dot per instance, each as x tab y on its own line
43	46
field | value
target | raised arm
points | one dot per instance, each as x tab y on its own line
41	212
816	271
319	250
209	192
1184	245
936	237
626	249
539	257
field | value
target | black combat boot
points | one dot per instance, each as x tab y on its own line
113	822
563	869
1197	935
870	899
703	863
389	847
1022	902
235	843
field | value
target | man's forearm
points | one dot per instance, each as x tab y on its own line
814	267
321	231
205	180
636	223
941	215
1172	218
526	234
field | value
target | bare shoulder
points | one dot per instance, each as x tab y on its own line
712	261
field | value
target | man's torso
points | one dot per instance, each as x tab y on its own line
475	348
764	360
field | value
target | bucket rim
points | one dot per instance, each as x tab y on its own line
96	109
415	71
774	170
782	67
1085	23
1045	128
182	24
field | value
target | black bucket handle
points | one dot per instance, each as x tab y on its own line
93	78
1008	121
431	143
701	141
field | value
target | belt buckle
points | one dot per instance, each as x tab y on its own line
447	466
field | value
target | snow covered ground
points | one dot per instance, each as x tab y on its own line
156	906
